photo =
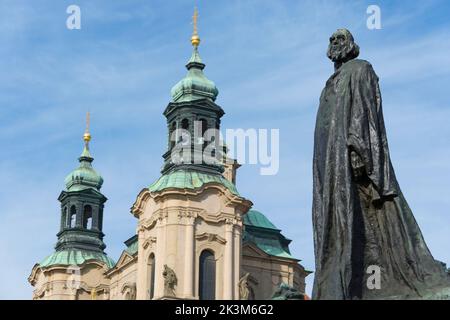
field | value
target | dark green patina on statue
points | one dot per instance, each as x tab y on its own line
360	216
286	292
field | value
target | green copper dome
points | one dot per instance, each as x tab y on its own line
195	85
190	179
265	235
75	257
132	245
257	219
84	176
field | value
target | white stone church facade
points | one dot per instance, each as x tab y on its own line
196	238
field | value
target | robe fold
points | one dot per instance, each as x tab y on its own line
365	222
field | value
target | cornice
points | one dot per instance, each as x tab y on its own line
210	237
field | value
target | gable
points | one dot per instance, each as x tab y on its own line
250	249
124	260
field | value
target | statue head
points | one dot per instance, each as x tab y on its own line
342	47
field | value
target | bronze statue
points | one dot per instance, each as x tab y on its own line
286	292
360	216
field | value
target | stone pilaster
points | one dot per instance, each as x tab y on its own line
141	284
189	275
160	256
228	261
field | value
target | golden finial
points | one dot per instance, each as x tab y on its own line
195	39
87	135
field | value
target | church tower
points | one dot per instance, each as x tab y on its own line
189	233
75	270
82	207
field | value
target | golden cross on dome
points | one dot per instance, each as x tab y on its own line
195	39
87	135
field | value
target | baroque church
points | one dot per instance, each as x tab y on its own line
197	237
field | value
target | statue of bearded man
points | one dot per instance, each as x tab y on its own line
362	223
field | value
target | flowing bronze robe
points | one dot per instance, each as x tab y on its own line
366	222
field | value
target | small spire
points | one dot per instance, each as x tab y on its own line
195	60
195	39
84	176
87	135
86	155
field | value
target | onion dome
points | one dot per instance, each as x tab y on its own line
84	177
195	85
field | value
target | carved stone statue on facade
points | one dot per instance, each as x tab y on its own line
244	290
129	291
170	281
360	216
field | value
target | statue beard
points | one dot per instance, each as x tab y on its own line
338	53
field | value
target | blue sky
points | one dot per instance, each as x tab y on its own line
267	59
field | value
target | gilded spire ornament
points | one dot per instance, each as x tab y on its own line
87	134
195	39
195	85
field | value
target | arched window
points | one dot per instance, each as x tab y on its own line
172	136
151	273
64	219
87	217
204	126
185	124
184	134
207	276
213	151
73	217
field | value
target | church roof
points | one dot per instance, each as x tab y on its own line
190	179
194	85
84	177
257	219
263	233
76	257
132	245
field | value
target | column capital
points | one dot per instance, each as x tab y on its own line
187	216
229	225
162	215
140	229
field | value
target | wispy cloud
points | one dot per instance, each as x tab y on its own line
268	60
